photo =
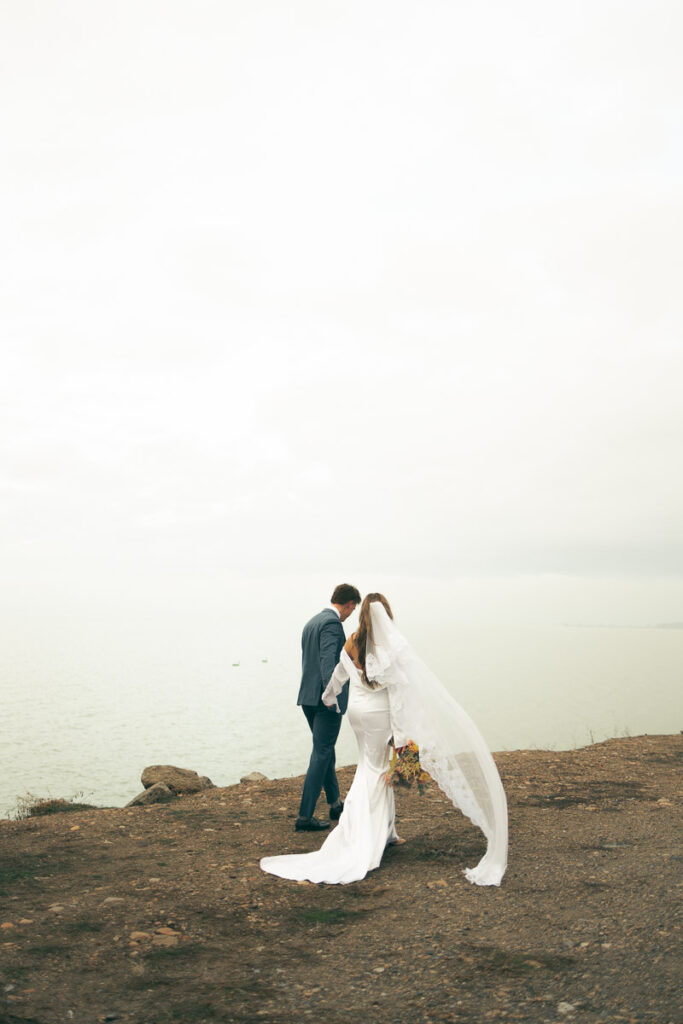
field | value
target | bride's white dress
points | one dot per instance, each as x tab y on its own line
366	824
410	702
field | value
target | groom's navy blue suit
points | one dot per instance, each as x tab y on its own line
322	641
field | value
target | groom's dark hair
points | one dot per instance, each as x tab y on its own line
345	593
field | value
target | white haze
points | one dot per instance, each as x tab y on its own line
387	292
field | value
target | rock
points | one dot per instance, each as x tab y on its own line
180	780
166	931
56	908
254	777
6	925
110	900
565	1008
156	794
139	936
165	940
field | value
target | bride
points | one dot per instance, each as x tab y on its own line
394	695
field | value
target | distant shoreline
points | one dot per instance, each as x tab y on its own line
499	755
73	805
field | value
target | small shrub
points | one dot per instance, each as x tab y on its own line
31	806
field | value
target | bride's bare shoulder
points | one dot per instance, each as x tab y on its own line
351	649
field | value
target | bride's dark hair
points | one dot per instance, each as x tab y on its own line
360	637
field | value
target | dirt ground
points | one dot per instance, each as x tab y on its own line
161	914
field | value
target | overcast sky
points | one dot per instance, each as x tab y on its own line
291	287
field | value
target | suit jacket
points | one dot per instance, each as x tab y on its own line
322	641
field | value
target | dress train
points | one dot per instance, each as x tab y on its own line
367	823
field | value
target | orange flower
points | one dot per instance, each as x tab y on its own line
405	768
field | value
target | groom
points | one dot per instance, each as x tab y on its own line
321	644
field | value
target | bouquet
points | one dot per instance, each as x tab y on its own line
405	768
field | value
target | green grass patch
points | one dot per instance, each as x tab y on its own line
19	869
84	927
47	949
201	1010
505	961
333	916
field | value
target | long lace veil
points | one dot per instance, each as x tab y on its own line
452	749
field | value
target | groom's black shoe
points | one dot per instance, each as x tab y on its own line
335	809
310	825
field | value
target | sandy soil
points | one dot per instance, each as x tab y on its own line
162	914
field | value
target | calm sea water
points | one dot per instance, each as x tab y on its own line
89	702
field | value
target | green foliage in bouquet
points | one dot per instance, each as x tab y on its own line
405	768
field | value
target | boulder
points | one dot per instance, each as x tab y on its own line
180	780
254	777
154	795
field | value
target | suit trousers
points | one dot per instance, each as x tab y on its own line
324	724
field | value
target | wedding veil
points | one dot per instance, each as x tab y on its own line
452	749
